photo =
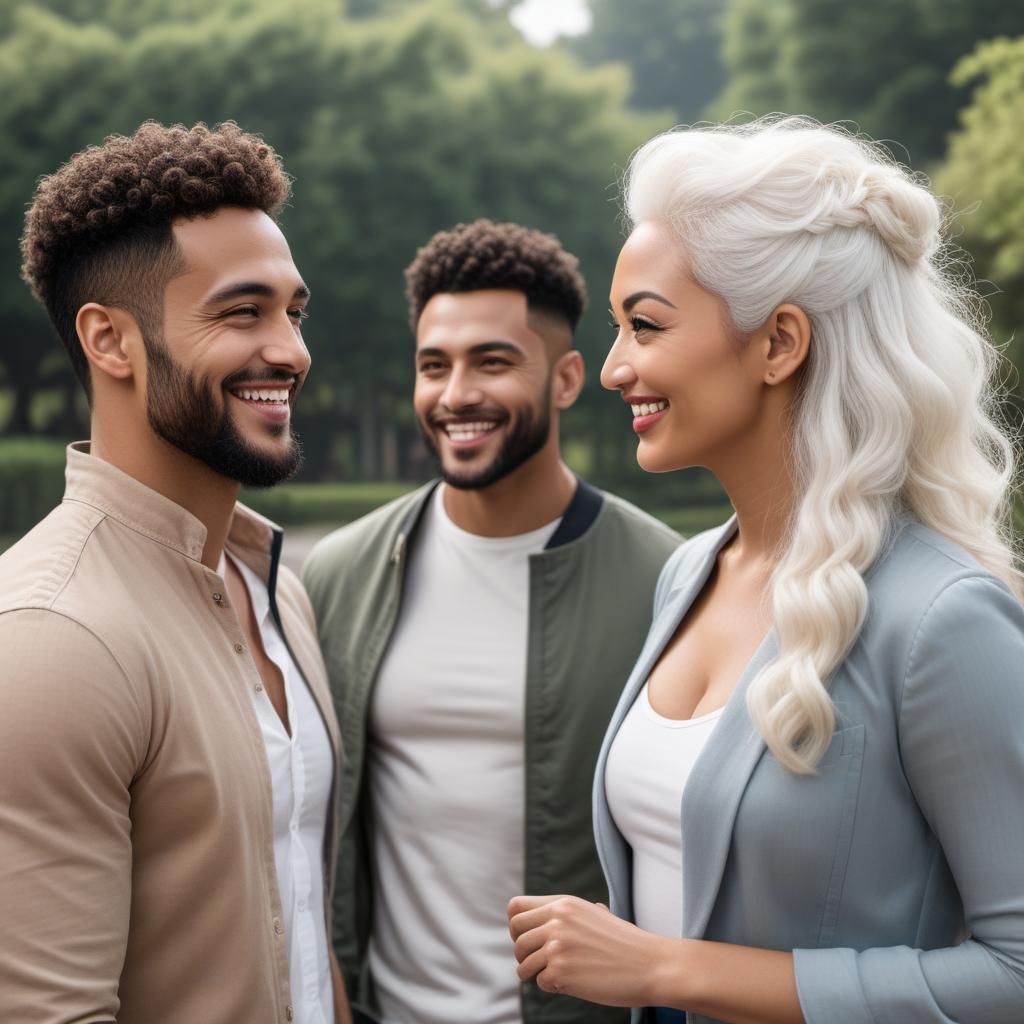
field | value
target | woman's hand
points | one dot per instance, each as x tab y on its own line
581	949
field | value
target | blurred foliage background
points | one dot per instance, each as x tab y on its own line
400	117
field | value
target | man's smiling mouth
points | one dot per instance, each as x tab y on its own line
262	394
468	430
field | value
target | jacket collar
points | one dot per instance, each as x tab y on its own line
251	538
579	515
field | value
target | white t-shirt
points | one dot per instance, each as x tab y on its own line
446	778
301	767
648	765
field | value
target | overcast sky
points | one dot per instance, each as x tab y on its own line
542	21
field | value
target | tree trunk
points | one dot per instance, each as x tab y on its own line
20	423
368	465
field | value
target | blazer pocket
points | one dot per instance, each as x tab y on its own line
792	838
851	761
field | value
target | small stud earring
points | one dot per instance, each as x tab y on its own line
771	374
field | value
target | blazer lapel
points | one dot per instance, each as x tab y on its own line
712	796
691	578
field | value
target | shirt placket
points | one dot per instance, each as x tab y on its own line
304	938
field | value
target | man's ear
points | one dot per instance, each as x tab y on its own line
786	343
106	334
568	378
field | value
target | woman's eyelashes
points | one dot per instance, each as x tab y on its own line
637	324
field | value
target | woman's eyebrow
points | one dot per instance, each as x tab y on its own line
629	303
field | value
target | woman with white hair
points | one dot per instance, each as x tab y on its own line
836	676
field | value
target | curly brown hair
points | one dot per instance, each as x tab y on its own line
100	228
472	257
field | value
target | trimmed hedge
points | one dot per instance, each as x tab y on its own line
690	521
31	481
337	504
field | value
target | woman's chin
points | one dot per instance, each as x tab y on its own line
650	462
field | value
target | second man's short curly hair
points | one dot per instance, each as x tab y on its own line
483	255
100	228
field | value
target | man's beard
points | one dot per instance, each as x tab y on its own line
526	438
185	414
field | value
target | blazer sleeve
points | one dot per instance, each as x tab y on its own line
71	737
961	730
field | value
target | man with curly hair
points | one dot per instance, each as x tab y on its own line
167	742
477	633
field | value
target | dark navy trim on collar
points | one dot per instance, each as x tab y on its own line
276	542
579	516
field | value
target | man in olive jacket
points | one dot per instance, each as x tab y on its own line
477	634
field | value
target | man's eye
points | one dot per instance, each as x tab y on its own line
298	314
494	361
429	367
243	311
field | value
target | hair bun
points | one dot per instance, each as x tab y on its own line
903	214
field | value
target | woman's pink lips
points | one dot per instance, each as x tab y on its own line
642	423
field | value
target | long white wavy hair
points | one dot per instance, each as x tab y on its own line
897	412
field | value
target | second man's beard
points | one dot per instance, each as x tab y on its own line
522	442
186	414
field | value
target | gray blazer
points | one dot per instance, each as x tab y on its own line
896	874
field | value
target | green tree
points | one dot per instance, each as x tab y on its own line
45	116
672	48
982	174
394	126
755	51
883	64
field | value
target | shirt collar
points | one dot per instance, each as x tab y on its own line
252	539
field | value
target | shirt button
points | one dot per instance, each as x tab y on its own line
259	687
289	1013
218	598
302	904
278	927
239	648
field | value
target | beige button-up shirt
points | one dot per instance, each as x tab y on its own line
137	874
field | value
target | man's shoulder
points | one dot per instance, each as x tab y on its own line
635	518
51	615
363	542
634	526
35	570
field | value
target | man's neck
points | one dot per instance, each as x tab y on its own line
180	478
531	496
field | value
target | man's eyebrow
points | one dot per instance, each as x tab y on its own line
244	288
629	303
475	350
496	346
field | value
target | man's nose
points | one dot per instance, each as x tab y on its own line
461	390
287	349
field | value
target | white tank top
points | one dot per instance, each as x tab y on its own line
648	765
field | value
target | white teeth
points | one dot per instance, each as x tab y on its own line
647	408
468	431
264	395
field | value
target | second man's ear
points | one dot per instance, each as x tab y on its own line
568	379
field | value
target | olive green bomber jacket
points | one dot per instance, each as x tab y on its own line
590	599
